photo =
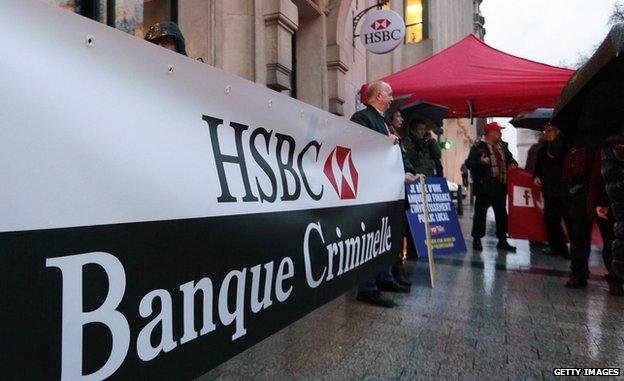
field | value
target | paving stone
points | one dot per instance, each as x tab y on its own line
424	371
521	353
272	374
487	341
385	372
524	375
246	366
455	370
222	376
493	355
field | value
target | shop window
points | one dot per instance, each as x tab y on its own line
93	9
415	21
131	16
68	5
136	16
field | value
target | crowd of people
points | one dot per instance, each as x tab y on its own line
567	171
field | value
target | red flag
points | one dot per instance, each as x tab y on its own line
526	207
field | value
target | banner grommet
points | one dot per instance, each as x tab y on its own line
90	40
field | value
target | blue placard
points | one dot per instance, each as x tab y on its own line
446	234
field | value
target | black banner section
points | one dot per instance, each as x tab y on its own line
173	299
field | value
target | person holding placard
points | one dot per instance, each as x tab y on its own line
420	157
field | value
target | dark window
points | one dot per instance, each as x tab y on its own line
131	16
136	16
293	73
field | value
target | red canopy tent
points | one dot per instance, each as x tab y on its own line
474	79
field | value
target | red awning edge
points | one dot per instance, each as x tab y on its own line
471	72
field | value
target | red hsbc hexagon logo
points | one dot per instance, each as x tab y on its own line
381	24
341	173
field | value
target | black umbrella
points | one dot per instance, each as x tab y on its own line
533	120
591	106
396	105
428	111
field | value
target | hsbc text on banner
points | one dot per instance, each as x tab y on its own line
158	216
526	207
446	234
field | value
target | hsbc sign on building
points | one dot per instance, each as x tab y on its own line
382	31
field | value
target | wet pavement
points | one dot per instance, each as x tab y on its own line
492	315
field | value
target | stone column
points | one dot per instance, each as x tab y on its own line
311	57
281	22
336	70
196	19
339	53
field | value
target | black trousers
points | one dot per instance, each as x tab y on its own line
554	211
580	238
498	202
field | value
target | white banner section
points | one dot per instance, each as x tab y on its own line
99	127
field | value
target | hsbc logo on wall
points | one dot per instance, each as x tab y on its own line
282	162
382	31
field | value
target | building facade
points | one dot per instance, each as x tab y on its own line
303	48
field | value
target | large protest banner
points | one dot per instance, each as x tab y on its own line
158	216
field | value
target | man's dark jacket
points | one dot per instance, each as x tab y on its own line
532	156
482	180
549	168
421	156
371	118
